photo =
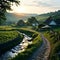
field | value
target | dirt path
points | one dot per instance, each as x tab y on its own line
43	52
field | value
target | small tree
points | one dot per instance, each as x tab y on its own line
32	21
20	23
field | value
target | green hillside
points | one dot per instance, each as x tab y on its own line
43	17
15	17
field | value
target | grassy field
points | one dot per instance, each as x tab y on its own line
9	37
37	41
54	39
6	36
5	27
41	18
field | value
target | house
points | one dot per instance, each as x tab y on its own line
52	22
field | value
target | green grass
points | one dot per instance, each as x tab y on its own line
6	36
55	46
41	18
5	27
9	37
54	53
57	29
27	31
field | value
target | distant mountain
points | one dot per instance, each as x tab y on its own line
14	17
51	13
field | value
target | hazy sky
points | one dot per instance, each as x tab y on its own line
37	6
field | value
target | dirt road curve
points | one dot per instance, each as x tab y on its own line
43	52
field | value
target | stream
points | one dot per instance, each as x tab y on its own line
17	49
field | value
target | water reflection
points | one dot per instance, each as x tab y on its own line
17	49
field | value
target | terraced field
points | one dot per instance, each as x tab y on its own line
6	36
9	38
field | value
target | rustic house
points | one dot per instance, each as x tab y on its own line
52	22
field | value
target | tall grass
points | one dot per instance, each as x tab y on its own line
55	45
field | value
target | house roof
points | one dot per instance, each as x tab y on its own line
46	26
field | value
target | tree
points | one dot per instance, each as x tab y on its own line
29	21
21	23
32	21
6	5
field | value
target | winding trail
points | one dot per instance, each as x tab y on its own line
43	51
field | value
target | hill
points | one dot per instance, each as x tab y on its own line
15	17
43	17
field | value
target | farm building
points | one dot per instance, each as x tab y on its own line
52	22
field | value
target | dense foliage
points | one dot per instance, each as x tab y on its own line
21	23
32	21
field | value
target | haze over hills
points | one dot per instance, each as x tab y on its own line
14	17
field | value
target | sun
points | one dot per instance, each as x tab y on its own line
21	9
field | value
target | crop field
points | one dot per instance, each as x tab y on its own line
6	36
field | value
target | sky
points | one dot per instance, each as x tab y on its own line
36	6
